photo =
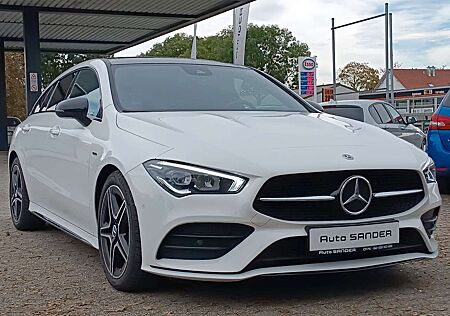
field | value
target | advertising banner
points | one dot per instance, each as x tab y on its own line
240	20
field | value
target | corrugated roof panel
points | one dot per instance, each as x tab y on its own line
89	33
6	16
10	30
68	47
113	21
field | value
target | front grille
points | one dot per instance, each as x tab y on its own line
295	251
328	184
202	241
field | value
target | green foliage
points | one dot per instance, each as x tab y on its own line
268	48
359	76
178	45
53	64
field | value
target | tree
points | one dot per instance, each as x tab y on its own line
359	76
178	45
15	85
397	65
53	64
268	48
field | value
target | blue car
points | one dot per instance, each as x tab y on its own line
439	140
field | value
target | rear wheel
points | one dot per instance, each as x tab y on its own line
21	217
119	237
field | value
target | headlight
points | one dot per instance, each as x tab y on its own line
430	172
181	180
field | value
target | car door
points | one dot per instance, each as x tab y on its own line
410	133
72	147
33	140
40	147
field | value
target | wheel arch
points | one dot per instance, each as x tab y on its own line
13	155
103	175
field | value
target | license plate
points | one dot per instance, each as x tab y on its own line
331	238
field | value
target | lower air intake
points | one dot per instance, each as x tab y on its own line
202	241
295	251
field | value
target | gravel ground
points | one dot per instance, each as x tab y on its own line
49	272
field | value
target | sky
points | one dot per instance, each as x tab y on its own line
421	30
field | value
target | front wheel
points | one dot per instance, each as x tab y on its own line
119	237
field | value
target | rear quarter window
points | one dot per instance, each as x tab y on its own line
354	113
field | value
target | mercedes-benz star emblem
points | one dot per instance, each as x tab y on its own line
355	195
348	157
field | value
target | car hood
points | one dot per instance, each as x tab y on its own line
264	142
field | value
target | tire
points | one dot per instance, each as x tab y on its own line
19	204
119	237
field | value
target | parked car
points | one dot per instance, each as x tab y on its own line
207	171
11	124
380	114
439	140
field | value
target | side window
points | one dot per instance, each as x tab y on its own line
396	117
374	114
384	115
61	90
41	103
87	85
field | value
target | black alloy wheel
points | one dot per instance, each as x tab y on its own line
119	237
115	231
21	217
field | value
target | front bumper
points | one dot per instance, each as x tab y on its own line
159	212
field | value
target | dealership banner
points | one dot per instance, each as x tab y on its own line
240	22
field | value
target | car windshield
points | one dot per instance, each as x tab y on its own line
193	87
351	112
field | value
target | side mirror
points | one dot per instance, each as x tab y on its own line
411	120
74	108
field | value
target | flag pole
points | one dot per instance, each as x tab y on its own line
194	43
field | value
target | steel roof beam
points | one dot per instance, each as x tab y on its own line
58	40
81	25
6	7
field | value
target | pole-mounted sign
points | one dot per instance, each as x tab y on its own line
34	83
308	76
240	21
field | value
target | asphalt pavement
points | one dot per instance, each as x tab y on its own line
50	273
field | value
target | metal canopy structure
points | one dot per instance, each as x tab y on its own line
89	26
103	26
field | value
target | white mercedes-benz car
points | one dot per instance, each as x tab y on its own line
208	171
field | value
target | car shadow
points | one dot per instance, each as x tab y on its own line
293	287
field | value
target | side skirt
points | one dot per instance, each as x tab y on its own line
63	225
65	230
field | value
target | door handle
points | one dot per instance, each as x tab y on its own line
55	131
26	128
